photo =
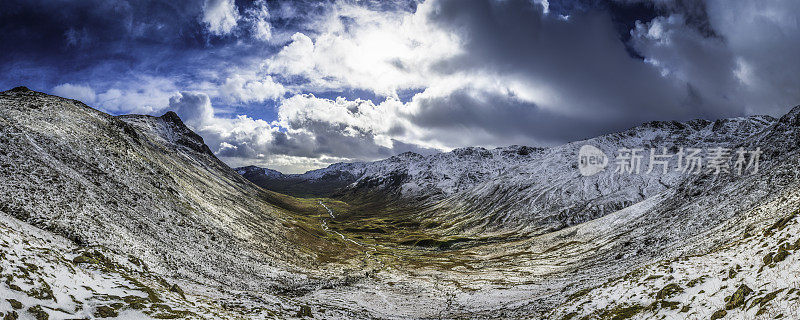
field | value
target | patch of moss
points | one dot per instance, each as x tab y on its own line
662	304
762	301
719	314
782	222
767	259
621	312
43	293
732	272
578	294
31	267
781	255
738	298
15	304
175	288
38	313
668	291
135	302
696	281
85	259
105	312
151	294
163	311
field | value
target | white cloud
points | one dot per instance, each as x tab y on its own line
310	131
258	16
141	95
283	163
241	89
194	108
220	16
382	52
82	93
484	73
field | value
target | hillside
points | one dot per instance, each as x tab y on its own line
538	189
134	217
148	187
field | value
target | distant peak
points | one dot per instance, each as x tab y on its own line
793	117
173	117
20	89
408	155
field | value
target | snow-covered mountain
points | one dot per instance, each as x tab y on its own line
142	187
518	186
133	217
320	182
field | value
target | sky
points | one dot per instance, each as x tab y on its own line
298	85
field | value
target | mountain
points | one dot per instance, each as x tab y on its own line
313	183
533	213
518	186
133	217
147	188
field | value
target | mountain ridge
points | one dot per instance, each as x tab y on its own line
137	202
463	172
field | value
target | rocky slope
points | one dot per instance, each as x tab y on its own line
148	187
517	186
581	231
134	217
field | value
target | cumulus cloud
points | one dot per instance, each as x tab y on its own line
309	130
193	107
363	80
493	73
142	95
497	73
78	92
251	88
356	47
258	16
220	16
489	73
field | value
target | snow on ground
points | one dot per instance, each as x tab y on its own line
45	276
756	277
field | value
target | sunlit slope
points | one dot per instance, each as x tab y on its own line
145	186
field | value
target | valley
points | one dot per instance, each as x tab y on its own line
134	216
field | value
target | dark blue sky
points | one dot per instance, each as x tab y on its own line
296	85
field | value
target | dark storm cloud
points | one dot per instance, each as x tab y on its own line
105	43
600	87
61	38
503	118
